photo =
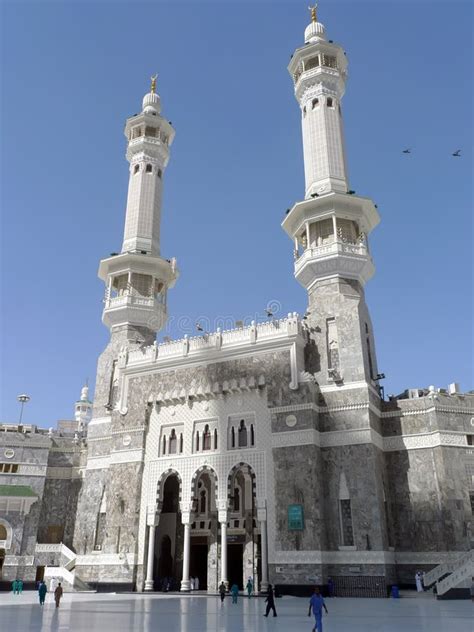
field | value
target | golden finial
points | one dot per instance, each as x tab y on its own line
153	83
314	17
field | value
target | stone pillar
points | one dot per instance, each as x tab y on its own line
149	585
262	517
185	583
223	521
152	520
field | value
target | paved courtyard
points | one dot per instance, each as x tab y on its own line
89	612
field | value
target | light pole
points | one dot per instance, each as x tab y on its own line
23	399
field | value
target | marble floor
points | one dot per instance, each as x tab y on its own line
89	612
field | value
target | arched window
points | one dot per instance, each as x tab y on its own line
172	443
329	102
149	168
3	532
206	439
215	439
232	437
136	168
197	441
236	499
252	435
242	434
181	443
314	103
203	503
164	445
159	173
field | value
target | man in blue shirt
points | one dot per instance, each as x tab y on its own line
317	604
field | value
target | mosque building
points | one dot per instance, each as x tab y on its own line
264	451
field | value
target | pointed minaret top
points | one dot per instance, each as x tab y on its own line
315	30
314	17
151	101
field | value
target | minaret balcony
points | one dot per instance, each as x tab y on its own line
338	258
145	311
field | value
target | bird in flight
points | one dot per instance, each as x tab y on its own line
406	151
199	327
269	313
457	153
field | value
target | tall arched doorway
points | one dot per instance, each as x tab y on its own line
243	541
3	541
203	552
167	570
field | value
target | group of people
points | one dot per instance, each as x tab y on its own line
316	603
56	590
17	586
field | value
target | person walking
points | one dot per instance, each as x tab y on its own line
316	604
14	586
58	593
249	587
19	585
196	583
42	590
222	592
270	601
234	591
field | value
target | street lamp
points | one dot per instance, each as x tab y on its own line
23	399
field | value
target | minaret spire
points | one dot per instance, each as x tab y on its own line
137	280
330	227
313	11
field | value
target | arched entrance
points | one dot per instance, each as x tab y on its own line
168	549
203	550
243	541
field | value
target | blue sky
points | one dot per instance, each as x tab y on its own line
73	72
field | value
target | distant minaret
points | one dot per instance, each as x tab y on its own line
83	409
137	279
330	227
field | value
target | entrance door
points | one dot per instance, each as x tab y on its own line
235	561
198	564
39	574
2	559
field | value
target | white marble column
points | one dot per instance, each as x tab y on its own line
151	557
185	583
223	523
263	533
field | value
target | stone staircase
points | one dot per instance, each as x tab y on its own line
461	574
446	568
63	567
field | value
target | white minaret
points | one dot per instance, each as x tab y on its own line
137	279
83	409
330	226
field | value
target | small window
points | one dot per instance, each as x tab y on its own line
164	445
304	111
470	438
206	439
149	169
197	441
181	443
329	102
173	442
136	168
242	434
314	103
236	499
252	435
150	131
215	439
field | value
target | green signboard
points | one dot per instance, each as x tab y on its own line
295	518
